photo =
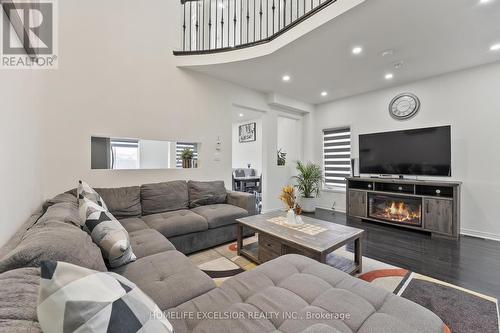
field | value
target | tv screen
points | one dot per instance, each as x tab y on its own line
424	151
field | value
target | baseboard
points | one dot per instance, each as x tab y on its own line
331	209
480	234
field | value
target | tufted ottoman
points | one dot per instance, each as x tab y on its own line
293	294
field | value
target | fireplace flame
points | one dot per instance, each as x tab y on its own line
399	211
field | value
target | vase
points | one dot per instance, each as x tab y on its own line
291	218
186	163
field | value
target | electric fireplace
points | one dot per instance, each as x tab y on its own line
395	209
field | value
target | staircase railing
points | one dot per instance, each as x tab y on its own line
210	26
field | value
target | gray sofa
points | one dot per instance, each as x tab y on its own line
288	294
192	215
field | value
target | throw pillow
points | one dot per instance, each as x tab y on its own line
85	191
103	227
107	233
77	299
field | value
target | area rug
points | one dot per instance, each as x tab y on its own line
462	310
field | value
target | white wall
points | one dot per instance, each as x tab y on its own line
247	152
20	178
290	141
468	101
274	176
117	78
289	135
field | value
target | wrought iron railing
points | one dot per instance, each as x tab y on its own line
221	25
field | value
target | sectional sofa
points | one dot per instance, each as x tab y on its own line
288	294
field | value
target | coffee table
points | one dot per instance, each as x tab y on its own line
316	239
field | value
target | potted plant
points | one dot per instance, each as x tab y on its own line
309	181
187	158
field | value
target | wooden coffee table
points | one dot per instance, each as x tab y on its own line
315	239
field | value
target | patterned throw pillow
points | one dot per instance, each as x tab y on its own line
105	230
77	299
85	191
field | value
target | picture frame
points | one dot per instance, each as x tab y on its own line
247	132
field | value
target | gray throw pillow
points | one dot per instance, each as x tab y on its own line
206	193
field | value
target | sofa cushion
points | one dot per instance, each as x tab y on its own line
77	299
133	224
66	212
67	197
300	285
219	215
122	202
18	299
148	242
54	241
206	193
176	223
169	278
164	197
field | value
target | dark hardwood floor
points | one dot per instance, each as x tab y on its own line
471	263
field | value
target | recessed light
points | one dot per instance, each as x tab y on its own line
389	76
495	47
241	114
324	93
387	53
286	78
399	64
483	2
357	50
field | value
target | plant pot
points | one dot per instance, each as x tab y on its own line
308	205
187	163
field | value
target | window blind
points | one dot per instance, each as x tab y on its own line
336	156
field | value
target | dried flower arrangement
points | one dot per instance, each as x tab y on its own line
290	199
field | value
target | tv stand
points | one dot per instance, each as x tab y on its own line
430	206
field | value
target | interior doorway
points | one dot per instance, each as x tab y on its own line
247	152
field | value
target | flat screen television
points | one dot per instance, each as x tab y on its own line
418	152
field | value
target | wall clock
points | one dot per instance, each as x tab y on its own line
404	106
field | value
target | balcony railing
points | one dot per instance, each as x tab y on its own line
221	25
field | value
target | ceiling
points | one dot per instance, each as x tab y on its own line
430	37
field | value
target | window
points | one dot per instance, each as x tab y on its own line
336	156
125	154
180	147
